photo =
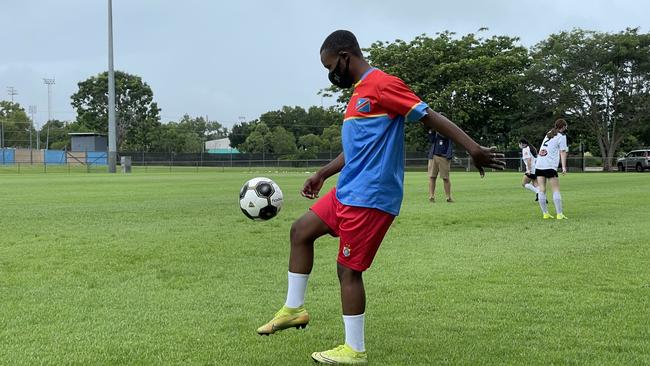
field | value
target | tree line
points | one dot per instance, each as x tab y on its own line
139	127
499	91
494	88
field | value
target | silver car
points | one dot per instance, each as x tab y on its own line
638	160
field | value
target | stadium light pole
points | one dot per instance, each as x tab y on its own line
112	124
47	138
32	111
49	83
11	91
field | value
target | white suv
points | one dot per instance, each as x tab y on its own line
638	160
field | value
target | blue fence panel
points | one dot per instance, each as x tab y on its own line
55	157
97	158
7	156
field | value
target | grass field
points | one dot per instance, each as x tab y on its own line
164	269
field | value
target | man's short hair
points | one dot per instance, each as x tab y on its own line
341	41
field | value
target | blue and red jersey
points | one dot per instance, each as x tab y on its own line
373	141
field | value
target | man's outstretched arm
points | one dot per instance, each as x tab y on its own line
481	156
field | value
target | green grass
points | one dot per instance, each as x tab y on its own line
164	269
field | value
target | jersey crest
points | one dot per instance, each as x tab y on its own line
363	105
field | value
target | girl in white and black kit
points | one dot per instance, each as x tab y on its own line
529	155
551	153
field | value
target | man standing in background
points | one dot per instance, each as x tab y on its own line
440	155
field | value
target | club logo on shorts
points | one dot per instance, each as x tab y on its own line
346	250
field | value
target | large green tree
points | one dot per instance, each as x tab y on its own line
264	140
309	146
239	132
283	142
471	79
644	136
137	113
176	137
187	135
54	134
331	139
295	120
258	141
301	122
204	129
14	125
598	81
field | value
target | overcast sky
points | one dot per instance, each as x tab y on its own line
239	59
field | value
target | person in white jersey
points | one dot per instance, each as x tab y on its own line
529	155
553	151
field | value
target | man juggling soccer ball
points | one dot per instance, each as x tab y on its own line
369	191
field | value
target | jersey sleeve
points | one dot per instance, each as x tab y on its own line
398	98
563	145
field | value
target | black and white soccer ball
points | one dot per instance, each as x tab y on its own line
260	199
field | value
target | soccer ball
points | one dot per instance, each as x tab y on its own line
260	199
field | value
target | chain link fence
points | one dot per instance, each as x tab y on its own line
54	161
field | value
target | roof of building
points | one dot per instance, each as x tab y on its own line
86	134
223	151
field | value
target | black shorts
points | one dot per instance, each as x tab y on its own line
531	176
547	173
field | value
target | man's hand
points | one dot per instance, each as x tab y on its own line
312	186
487	157
314	183
482	156
563	170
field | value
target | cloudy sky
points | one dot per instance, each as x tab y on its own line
235	59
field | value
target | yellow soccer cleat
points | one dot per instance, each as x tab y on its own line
547	216
285	318
341	355
561	217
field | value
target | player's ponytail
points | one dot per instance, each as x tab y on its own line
559	124
532	148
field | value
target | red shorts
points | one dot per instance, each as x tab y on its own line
360	229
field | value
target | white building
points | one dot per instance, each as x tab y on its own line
220	146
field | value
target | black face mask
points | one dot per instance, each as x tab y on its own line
340	78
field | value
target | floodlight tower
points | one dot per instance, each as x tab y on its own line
32	112
49	83
112	124
12	91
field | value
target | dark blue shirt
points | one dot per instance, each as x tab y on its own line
440	145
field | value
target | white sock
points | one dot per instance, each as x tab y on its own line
296	290
531	187
354	336
542	202
557	200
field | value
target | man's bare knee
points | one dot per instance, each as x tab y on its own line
307	228
298	231
346	274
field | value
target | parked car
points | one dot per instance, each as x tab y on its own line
638	160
